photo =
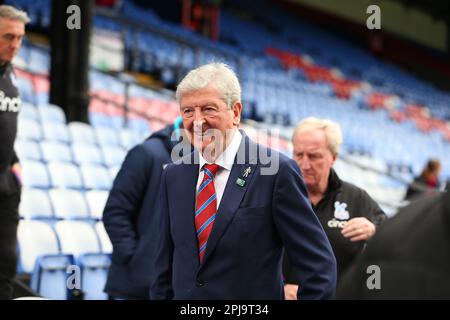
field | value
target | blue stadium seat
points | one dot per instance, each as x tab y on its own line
35	238
28	149
129	138
56	132
35	174
86	153
77	238
96	200
28	111
82	133
107	137
50	276
51	113
113	156
69	204
94	271
100	121
104	238
55	151
35	204
113	172
95	177
64	175
29	130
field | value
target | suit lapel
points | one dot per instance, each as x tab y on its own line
233	194
185	199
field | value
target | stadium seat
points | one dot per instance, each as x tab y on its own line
51	114
104	238
64	175
56	132
82	133
69	204
129	138
35	238
27	149
29	130
50	276
86	153
107	137
94	271
55	151
28	112
35	174
95	177
113	172
96	200
113	156
35	204
77	238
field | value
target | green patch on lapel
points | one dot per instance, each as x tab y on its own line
240	182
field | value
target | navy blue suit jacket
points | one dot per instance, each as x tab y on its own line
130	217
254	222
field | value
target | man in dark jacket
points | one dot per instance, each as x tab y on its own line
129	214
409	257
347	213
12	30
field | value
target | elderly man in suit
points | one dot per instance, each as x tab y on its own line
230	208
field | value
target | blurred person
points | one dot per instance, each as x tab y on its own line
224	217
409	258
427	182
129	214
347	213
12	31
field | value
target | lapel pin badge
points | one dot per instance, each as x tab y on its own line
247	172
240	182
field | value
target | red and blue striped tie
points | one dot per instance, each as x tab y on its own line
206	207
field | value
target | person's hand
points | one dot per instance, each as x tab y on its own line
290	291
358	229
17	170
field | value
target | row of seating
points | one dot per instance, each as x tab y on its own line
51	252
77	132
80	153
57	203
55	174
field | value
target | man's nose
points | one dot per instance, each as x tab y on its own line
304	164
198	124
15	44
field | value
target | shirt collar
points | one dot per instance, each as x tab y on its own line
226	159
3	68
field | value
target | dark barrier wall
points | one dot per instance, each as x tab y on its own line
69	75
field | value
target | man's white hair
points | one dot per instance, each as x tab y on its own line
216	74
332	130
9	12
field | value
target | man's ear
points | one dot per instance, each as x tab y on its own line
334	157
237	109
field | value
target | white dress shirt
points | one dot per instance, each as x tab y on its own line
225	161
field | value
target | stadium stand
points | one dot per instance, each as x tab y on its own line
69	168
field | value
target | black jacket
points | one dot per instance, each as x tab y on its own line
411	252
9	108
342	202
